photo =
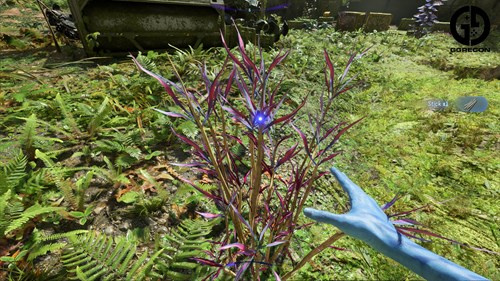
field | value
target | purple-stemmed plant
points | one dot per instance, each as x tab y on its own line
261	205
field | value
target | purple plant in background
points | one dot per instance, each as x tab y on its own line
260	205
426	17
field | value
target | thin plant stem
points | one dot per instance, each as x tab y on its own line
312	253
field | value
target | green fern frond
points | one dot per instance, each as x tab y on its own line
58	236
109	146
45	158
29	133
29	214
4	211
37	180
10	209
13	172
182	245
99	116
4	199
42	244
147	62
95	256
27	272
68	117
40	251
189	129
68	189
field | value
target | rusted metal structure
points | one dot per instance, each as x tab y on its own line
112	27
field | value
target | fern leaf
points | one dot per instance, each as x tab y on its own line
99	116
13	172
45	158
31	213
68	117
146	62
58	236
12	211
45	249
93	256
28	136
4	199
146	268
189	129
180	246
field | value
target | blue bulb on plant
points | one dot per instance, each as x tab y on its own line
260	119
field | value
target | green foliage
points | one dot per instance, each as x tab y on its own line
42	244
20	220
10	209
188	241
99	116
13	173
95	256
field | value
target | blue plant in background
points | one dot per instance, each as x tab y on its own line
426	17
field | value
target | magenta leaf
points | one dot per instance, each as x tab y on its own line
240	217
212	94
288	116
241	271
233	58
329	157
207	262
207	194
199	151
171	114
229	83
404	222
277	60
348	65
290	153
244	92
304	140
331	70
194	164
209	215
275	243
238	116
276	276
164	82
240	246
339	134
390	203
327	134
250	66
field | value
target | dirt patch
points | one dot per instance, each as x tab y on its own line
10	12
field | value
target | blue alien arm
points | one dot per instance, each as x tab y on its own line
366	221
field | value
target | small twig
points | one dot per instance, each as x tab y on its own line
27	74
82	61
58	48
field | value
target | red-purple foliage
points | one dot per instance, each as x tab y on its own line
261	205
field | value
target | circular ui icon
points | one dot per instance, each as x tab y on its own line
470	25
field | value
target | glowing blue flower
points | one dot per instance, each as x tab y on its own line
260	119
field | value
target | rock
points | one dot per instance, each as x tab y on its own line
377	21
